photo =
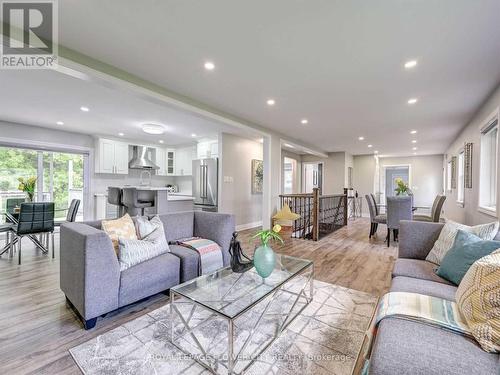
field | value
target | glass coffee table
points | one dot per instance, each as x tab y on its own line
226	320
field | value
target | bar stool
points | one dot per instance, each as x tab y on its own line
132	203
115	195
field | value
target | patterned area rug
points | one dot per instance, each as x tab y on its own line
325	338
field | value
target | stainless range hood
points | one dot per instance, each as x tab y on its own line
140	159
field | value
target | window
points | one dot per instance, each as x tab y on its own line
448	179
461	182
488	168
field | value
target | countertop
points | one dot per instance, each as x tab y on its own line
170	196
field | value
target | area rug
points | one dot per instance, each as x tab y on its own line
325	338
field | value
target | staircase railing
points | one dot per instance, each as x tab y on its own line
319	214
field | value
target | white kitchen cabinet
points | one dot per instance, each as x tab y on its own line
207	149
111	157
167	160
184	160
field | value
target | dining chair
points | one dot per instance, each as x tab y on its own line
6	228
437	207
398	208
72	212
34	219
375	219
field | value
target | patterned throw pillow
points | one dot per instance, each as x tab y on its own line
152	244
478	300
449	232
123	227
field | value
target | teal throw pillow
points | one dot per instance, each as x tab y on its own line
466	249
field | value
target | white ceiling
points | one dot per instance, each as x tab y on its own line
337	63
44	97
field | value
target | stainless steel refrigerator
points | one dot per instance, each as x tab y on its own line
205	182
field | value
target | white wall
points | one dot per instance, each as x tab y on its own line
469	213
298	173
236	165
334	171
426	176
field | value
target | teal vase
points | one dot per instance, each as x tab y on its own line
264	261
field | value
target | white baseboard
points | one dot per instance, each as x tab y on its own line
249	225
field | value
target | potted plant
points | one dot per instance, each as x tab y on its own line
264	258
402	187
28	187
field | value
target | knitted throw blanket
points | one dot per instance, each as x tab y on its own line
210	253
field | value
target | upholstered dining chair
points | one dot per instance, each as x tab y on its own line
375	218
398	208
437	207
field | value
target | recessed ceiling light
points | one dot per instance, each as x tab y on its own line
370	146
414	148
413	132
193	135
412	101
410	64
271	102
414	153
154	129
288	145
121	134
375	152
60	123
84	109
161	141
361	138
414	141
304	121
209	65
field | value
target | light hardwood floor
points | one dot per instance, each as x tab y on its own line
37	328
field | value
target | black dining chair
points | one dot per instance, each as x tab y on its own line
34	218
6	228
72	212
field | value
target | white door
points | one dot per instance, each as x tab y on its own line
106	156
121	158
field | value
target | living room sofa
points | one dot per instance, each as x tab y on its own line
90	274
407	347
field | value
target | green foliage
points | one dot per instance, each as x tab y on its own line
270	234
402	187
27	186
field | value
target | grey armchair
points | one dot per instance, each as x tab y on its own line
375	217
437	207
398	208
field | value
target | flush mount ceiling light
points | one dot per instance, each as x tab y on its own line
414	148
412	100
60	123
375	152
410	64
209	65
361	138
414	141
370	146
304	121
121	134
413	132
84	109
161	141
154	129
271	102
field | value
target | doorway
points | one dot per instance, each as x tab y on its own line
312	177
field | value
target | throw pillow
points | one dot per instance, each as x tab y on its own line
133	252
122	227
144	226
466	249
478	300
448	233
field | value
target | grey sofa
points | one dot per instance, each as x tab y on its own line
90	274
407	347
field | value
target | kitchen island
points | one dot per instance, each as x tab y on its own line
163	201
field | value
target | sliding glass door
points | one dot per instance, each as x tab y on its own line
60	176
